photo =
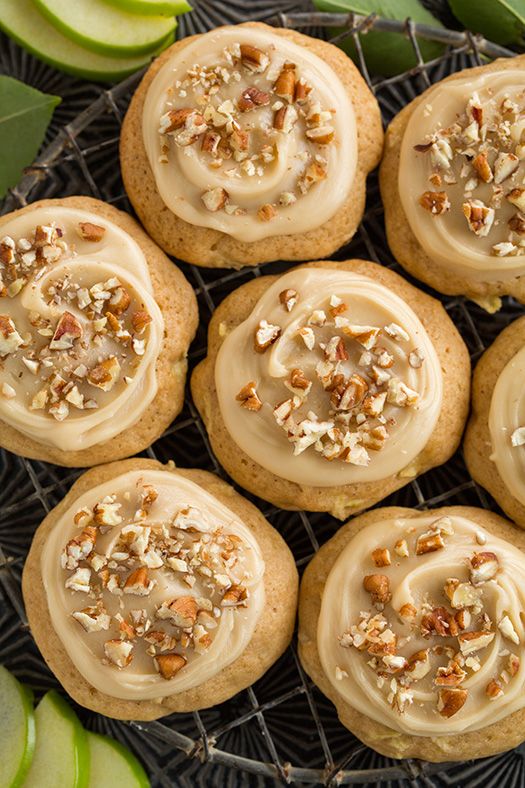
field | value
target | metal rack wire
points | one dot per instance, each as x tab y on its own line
254	733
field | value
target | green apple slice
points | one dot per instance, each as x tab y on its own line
155	7
112	765
17	730
104	29
20	20
61	753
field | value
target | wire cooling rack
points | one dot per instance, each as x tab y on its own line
280	730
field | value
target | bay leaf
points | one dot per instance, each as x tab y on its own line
386	54
24	117
501	21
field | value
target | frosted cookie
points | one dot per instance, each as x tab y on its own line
331	386
151	589
95	324
249	144
452	181
495	438
412	624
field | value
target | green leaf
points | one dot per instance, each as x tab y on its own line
386	53
24	117
501	21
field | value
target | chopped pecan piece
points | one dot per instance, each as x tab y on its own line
266	212
265	335
10	339
506	627
435	203
175	119
419	664
302	91
429	543
493	690
482	167
288	299
313	173
484	566
105	375
469	642
381	556
440	621
139	321
285	118
513	664
183	611
401	548
517	198
321	135
248	398
119	652
215	199
517	224
210	142
119	301
505	165
234	596
450	676
365	335
350	393
68	330
138	582
285	84
298	380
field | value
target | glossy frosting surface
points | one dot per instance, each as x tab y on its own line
80	331
276	160
438	646
153	585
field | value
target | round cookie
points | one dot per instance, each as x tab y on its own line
245	429
100	379
452	186
494	457
323	198
399	710
254	628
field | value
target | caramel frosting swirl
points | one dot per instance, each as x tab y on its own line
80	331
153	585
331	380
250	134
461	175
507	425
421	625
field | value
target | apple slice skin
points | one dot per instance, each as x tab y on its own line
152	7
78	740
113	765
22	22
9	684
61	14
